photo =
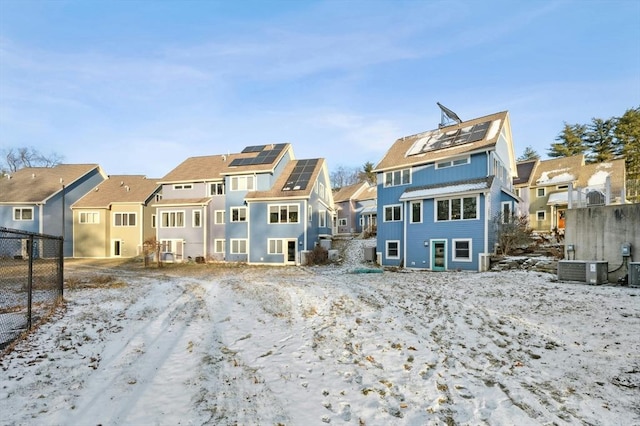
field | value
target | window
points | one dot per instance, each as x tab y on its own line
393	249
286	213
322	217
172	220
310	213
517	191
541	215
397	177
242	183
238	246
462	250
23	213
321	195
541	192
238	214
416	212
218	246
342	221
506	212
216	188
153	221
197	219
392	213
562	187
183	186
454	162
124	219
457	208
275	246
89	217
219	217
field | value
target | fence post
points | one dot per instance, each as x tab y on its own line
61	269
30	281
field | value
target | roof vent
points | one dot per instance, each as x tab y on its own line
121	182
33	175
127	188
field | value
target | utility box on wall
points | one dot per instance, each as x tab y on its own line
597	272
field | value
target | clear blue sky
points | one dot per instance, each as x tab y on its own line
138	86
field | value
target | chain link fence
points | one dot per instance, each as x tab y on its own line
31	280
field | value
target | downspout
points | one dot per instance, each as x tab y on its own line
486	221
306	221
404	232
205	230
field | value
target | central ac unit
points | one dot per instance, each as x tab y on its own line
572	270
597	272
634	274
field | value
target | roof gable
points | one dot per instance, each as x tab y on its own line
37	184
119	189
215	167
468	136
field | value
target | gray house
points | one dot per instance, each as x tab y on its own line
38	199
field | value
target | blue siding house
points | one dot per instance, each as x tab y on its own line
257	206
440	191
39	199
356	210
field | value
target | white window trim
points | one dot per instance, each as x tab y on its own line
124	213
386	249
193	218
215	217
238	241
213	185
240	183
411	211
275	241
544	192
92	213
435	209
169	213
246	214
544	215
280	206
507	218
22	209
391	206
343	221
454	258
310	213
215	245
154	220
182	186
322	219
458	161
402	171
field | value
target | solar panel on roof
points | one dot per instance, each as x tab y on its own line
438	140
300	175
267	154
253	148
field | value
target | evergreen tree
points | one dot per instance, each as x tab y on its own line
367	174
570	141
599	138
529	154
627	135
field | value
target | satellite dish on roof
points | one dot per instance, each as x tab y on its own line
447	116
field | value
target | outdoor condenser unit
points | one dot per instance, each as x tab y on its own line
369	254
597	272
634	274
572	270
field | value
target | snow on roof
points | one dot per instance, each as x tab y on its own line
550	177
598	178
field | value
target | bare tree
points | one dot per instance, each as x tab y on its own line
512	231
14	159
344	176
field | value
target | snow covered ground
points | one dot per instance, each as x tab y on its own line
318	345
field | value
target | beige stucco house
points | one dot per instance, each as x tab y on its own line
115	218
